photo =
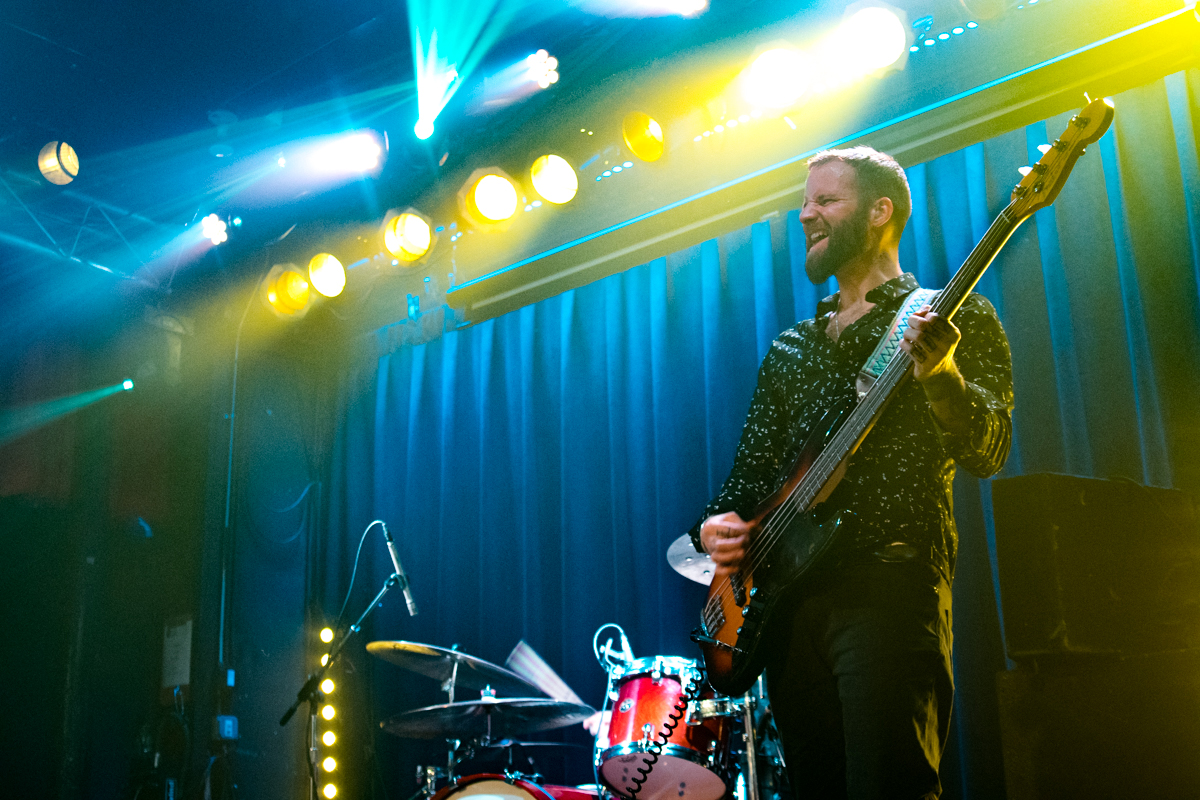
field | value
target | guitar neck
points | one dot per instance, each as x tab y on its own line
946	303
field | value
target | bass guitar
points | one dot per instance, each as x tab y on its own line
790	534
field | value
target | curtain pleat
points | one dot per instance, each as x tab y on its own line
536	466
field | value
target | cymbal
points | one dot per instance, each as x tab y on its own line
495	718
438	663
684	559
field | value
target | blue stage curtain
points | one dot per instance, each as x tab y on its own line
535	467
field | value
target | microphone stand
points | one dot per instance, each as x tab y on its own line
310	690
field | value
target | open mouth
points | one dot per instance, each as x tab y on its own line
817	237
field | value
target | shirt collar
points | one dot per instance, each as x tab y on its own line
889	290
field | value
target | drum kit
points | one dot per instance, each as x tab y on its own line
662	733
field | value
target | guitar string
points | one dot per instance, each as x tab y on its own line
802	494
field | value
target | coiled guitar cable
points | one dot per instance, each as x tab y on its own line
690	693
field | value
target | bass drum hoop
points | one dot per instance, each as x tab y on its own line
534	790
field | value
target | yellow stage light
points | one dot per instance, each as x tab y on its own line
329	764
329	737
327	686
643	135
777	78
554	179
326	635
489	199
495	197
330	791
871	39
328	712
287	291
408	236
58	163
327	276
324	659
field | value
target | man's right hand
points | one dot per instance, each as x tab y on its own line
725	538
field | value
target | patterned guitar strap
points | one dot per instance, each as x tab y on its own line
878	361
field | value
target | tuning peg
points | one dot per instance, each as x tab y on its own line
1045	148
1024	170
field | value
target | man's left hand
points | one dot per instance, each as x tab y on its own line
931	339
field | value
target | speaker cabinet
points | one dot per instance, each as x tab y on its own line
1080	727
1095	567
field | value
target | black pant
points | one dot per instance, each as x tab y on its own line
860	682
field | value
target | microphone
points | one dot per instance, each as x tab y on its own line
391	546
626	650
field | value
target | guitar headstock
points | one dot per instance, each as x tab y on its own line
1045	179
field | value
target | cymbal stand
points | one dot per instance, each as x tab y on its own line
748	703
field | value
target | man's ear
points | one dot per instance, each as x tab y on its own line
880	213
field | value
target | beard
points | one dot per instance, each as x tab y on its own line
846	241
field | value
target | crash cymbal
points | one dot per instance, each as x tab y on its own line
684	559
490	717
438	663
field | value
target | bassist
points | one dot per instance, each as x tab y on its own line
858	653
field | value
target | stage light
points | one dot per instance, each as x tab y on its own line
777	78
327	686
495	197
330	791
643	136
328	738
327	276
58	163
328	712
329	764
541	68
127	385
286	292
423	129
871	39
408	236
357	152
214	229
326	635
554	179
324	659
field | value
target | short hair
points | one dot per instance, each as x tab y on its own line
878	175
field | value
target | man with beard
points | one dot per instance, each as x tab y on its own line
859	670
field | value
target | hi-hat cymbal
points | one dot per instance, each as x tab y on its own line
684	559
491	717
439	663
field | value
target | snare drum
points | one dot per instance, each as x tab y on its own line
490	786
694	763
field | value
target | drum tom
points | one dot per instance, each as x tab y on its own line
693	763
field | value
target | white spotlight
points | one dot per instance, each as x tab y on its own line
358	152
423	129
213	228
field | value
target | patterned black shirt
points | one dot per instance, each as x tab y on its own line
899	483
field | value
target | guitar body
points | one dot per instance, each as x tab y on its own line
733	656
789	538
